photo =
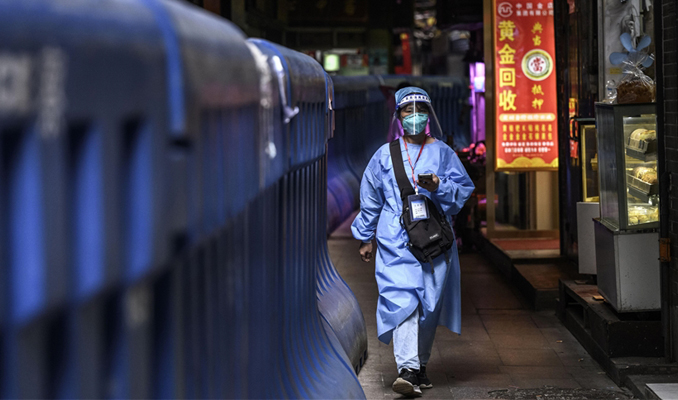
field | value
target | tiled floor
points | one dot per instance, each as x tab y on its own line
503	345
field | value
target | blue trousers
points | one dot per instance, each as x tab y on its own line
413	340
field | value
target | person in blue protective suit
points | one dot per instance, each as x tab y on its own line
414	297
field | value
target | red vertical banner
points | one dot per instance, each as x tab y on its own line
406	67
525	88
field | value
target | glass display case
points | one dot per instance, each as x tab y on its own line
627	162
589	159
626	235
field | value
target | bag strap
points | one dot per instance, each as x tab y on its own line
402	180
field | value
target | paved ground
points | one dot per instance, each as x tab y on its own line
503	345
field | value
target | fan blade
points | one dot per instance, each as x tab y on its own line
644	42
626	41
618	58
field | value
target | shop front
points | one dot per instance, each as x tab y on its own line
521	209
610	180
609	208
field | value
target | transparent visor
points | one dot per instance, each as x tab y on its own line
432	128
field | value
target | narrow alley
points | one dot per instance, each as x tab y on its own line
503	345
178	180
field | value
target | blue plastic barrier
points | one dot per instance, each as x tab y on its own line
310	90
162	231
362	124
81	189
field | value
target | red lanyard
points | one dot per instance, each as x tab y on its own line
416	190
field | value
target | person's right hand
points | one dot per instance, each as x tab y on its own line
365	251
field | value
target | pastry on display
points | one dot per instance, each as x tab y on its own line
649	177
644	134
635	91
641	142
643	215
645	174
638	172
635	86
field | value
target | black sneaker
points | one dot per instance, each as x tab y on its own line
424	382
407	384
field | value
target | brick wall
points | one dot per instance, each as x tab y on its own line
668	98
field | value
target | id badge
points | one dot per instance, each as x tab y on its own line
418	207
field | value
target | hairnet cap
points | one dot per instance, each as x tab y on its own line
410	94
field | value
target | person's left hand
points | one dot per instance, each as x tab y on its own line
431	186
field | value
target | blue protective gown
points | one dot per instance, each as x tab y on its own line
405	283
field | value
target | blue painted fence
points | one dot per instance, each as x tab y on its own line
162	227
362	124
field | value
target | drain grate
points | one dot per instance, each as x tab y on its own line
553	393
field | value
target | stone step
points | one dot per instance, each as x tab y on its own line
640	385
663	391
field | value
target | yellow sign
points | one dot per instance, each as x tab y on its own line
506	30
546	117
537	28
506	55
507	77
507	100
536	89
537	103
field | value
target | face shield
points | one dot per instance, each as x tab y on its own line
415	123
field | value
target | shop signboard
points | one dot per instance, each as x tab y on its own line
525	86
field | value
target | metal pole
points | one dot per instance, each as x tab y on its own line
490	110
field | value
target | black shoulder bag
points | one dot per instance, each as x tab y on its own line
431	237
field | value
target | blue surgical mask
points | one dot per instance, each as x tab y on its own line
414	124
